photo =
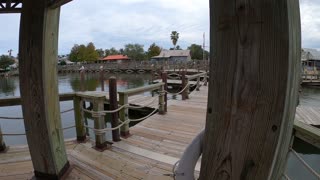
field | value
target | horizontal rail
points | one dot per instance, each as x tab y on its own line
191	77
139	90
14	101
307	133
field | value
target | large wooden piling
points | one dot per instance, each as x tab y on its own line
253	88
184	83
99	123
114	105
38	49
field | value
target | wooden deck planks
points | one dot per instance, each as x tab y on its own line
308	115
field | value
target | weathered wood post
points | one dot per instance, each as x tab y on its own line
79	119
124	115
198	84
165	81
161	101
38	51
99	123
184	83
101	78
113	106
3	146
253	88
206	78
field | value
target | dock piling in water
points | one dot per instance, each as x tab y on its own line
113	106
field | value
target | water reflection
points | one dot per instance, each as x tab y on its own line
7	87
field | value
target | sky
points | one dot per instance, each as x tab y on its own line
114	23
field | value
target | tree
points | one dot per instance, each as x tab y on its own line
174	37
154	50
112	51
81	53
5	61
178	48
90	53
196	51
134	51
100	52
73	56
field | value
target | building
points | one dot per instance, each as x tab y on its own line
173	55
115	58
310	59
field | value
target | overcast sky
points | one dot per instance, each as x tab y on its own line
114	23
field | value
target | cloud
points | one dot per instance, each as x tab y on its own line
114	23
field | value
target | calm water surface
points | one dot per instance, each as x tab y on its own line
71	83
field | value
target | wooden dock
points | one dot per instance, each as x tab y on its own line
150	152
308	115
154	146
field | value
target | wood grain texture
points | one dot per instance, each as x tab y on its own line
38	86
253	88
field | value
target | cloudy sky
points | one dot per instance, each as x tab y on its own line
114	23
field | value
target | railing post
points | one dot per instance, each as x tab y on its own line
114	105
102	78
124	115
164	80
206	79
184	84
198	84
3	146
161	101
78	116
99	123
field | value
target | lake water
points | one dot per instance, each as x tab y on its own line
71	82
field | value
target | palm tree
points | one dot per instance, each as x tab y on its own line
174	37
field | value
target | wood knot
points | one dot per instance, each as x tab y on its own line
274	128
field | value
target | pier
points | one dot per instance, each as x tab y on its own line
153	146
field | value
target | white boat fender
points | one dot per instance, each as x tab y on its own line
189	159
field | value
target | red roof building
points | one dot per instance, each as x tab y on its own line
115	58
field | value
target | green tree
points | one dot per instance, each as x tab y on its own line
90	53
82	53
73	56
196	51
135	51
154	50
178	48
100	52
174	38
5	61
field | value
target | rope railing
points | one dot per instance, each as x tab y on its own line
175	94
309	168
286	177
13	134
21	118
101	131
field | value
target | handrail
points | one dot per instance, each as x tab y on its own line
139	90
14	101
191	77
307	133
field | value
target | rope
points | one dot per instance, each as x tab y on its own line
286	176
101	131
70	127
305	163
12	134
175	94
62	112
12	118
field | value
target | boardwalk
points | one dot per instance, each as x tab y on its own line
149	153
308	115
